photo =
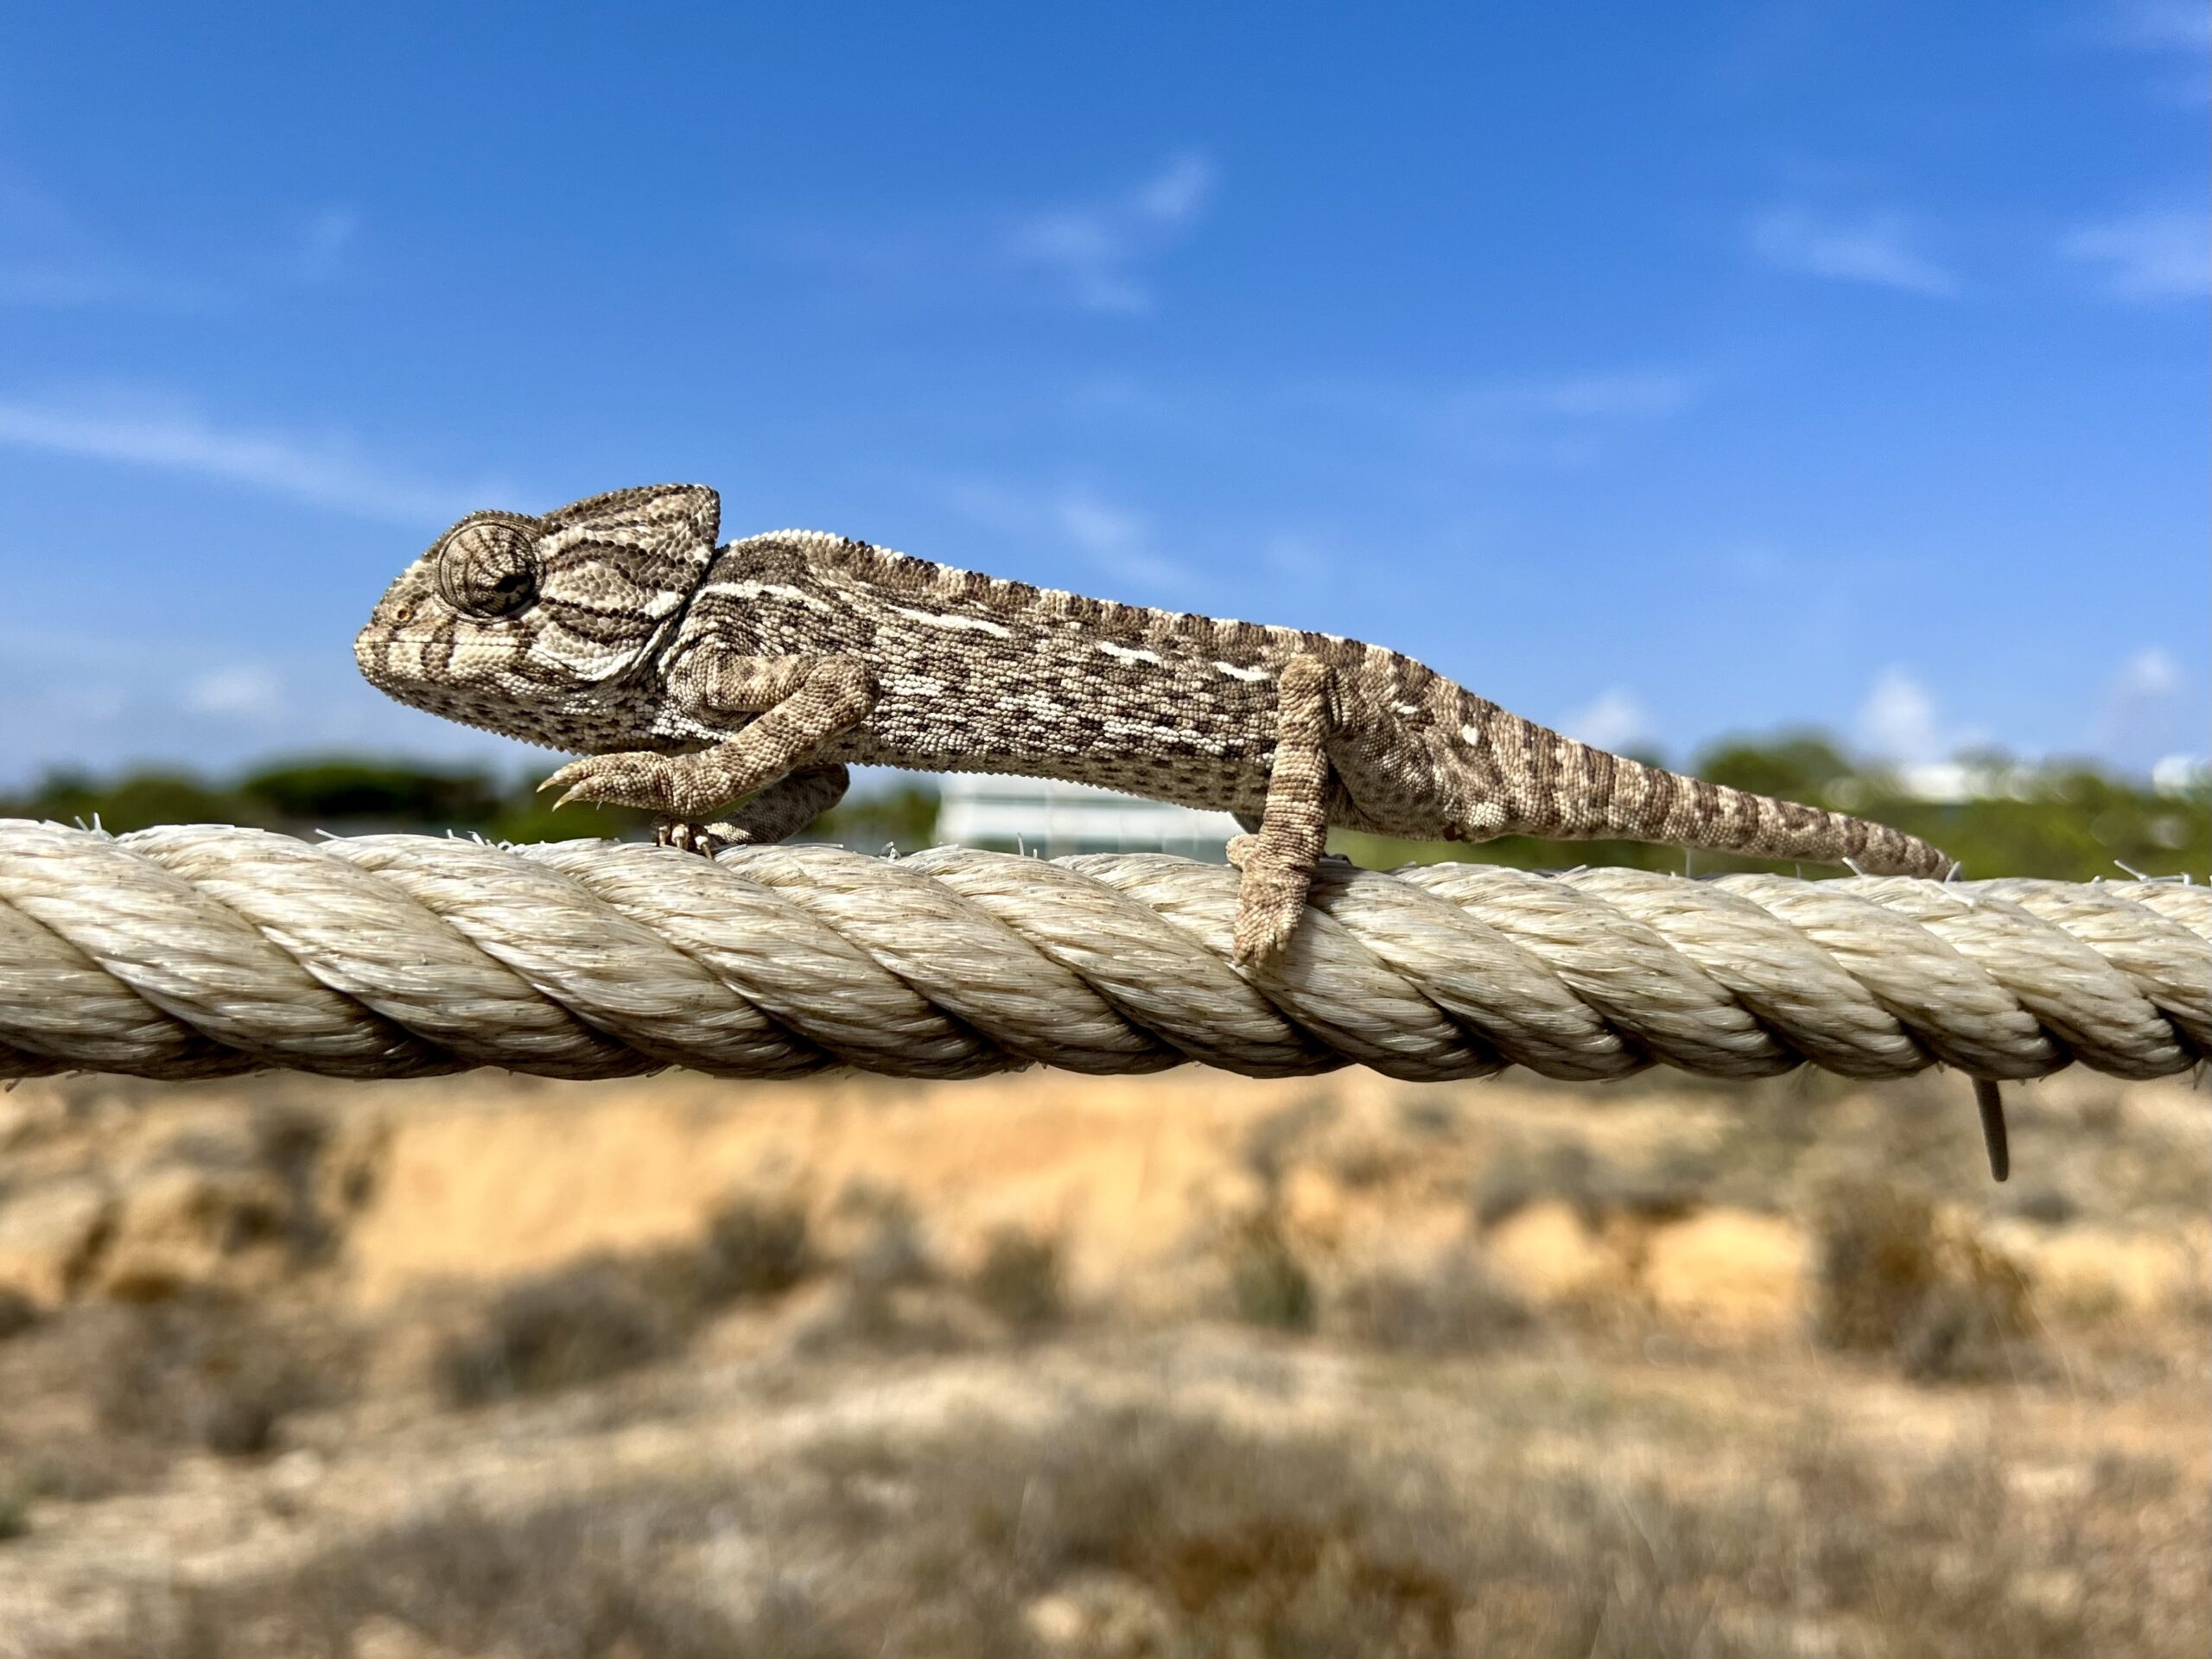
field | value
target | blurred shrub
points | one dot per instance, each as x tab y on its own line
1267	1284
753	1248
204	1371
894	1254
904	817
342	790
1894	1280
1019	1280
560	1330
1573	1172
132	802
15	1507
1454	1305
18	1312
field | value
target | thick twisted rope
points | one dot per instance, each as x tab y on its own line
199	951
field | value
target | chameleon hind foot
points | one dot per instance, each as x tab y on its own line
1270	898
705	839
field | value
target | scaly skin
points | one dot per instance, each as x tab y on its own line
692	677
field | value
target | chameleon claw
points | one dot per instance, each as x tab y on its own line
577	781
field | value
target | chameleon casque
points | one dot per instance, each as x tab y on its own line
693	676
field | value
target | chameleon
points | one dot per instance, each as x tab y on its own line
693	678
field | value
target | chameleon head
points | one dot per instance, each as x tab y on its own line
537	627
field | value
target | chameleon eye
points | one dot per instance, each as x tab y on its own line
485	567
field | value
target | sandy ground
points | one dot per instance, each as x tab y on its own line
1639	1300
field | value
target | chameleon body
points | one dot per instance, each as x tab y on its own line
692	677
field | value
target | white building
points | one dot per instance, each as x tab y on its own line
1032	815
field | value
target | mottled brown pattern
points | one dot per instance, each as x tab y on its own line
691	676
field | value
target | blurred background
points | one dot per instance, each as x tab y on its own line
1810	394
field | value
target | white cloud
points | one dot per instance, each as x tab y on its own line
2184	26
1561	420
2164	254
2177	774
49	259
329	474
1897	721
1111	537
1614	721
243	691
1092	255
98	702
2149	675
1877	249
1089	253
2174	37
2150	709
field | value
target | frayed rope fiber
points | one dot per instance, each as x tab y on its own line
201	951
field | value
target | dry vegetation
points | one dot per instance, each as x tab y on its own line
1056	1368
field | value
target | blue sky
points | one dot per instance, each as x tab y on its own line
1661	371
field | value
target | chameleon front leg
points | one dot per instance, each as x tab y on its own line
807	701
1277	863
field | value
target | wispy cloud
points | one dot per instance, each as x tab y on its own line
100	701
1614	720
2163	25
328	473
2150	709
1878	248
1091	254
1566	420
2164	254
1897	721
2175	35
1109	537
49	259
1619	395
246	691
1561	420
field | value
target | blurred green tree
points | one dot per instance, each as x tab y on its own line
2067	821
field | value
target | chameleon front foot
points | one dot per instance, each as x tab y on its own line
631	777
682	788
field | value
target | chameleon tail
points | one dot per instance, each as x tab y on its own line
1570	791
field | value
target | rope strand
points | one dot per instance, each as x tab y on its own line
199	951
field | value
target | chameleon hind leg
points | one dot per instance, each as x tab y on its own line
776	813
1276	863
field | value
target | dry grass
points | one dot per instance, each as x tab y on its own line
1149	1530
1454	1305
874	1454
